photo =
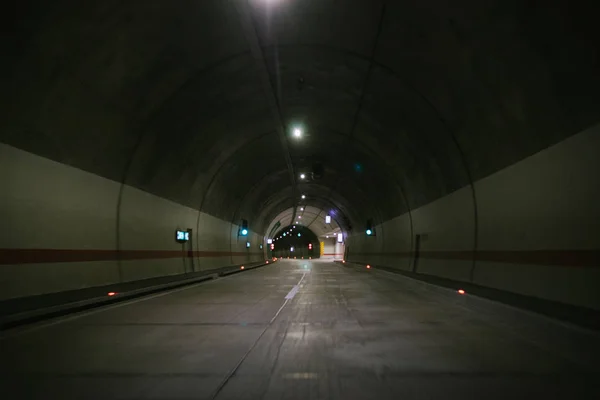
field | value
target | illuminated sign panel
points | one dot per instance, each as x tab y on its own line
328	219
182	236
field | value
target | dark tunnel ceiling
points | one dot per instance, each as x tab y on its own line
426	95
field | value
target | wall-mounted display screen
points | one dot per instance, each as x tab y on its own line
182	236
269	241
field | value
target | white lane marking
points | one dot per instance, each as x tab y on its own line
295	289
292	293
237	366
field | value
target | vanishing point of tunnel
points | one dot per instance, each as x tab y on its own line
300	199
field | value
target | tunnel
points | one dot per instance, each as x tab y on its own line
300	199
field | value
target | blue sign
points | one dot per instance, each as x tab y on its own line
182	236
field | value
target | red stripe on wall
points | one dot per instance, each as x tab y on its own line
578	258
38	256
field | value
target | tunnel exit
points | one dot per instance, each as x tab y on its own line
295	241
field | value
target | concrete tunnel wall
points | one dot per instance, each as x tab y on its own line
62	225
330	247
531	228
50	206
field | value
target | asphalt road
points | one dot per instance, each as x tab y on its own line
302	330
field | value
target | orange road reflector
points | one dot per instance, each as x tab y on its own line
242	267
111	293
460	291
368	267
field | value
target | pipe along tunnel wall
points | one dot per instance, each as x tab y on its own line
532	231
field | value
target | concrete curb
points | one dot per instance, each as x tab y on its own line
28	317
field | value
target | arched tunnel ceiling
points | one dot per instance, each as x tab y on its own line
424	96
312	218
